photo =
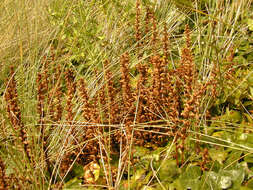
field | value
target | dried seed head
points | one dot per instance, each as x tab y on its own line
14	113
71	86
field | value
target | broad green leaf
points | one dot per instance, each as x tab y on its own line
236	176
225	182
225	179
210	179
139	178
91	172
218	155
216	166
250	24
73	184
234	116
168	170
190	179
219	134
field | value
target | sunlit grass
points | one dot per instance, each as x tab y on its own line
83	34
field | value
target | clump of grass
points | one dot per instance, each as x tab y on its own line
167	102
149	101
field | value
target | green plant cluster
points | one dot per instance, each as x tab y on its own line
82	34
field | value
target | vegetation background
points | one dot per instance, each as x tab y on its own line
80	85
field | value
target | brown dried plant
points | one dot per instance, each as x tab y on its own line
127	95
142	99
193	91
137	28
56	113
154	88
14	113
91	151
147	20
41	102
49	102
154	33
165	41
71	89
4	183
205	159
187	73
142	93
55	91
41	98
112	104
45	102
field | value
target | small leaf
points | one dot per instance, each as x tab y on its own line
234	116
91	172
250	24
218	155
237	175
168	170
225	182
72	184
190	179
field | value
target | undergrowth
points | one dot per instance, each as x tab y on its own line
128	95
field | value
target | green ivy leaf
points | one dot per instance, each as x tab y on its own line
225	179
218	155
236	176
232	116
250	24
168	170
73	184
190	179
225	182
